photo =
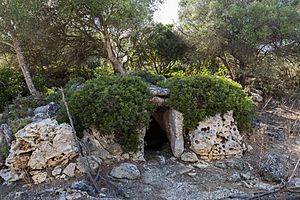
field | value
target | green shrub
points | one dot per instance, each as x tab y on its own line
148	77
116	105
11	85
19	113
17	124
201	96
54	94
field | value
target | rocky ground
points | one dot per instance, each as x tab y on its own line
276	150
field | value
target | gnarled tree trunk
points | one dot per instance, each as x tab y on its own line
116	63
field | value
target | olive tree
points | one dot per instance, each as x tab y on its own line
15	15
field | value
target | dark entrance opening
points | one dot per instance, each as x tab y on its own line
155	136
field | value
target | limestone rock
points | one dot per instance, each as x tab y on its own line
84	185
103	140
40	145
97	144
82	166
115	149
8	176
139	155
105	146
274	168
39	177
217	138
70	170
189	157
174	127
44	112
257	97
125	170
158	91
56	171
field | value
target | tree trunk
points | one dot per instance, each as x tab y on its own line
22	63
116	63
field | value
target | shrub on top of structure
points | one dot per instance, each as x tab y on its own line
200	96
116	105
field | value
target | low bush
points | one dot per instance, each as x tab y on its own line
148	77
116	105
201	96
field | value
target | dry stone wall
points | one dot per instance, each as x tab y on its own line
38	146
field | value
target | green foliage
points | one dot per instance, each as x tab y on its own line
116	105
201	96
11	85
19	113
159	49
243	31
149	77
166	44
4	151
18	124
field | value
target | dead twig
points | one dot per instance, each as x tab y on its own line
267	103
89	172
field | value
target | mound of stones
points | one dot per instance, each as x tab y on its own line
39	146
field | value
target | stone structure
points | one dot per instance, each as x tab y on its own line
214	138
45	144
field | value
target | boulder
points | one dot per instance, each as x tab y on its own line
125	171
174	127
217	138
97	146
115	149
44	112
82	163
40	145
70	170
139	155
106	147
38	177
